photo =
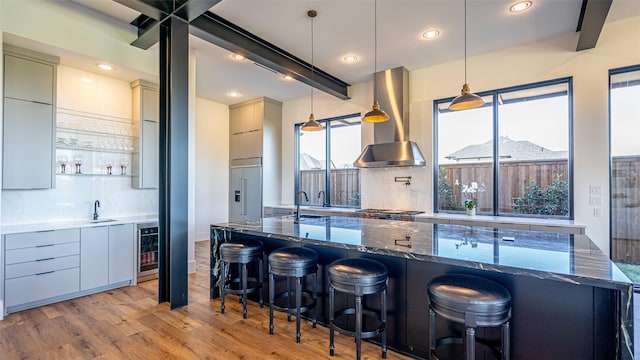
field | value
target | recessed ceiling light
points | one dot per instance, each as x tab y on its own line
431	34
106	67
234	94
87	80
350	59
520	6
238	57
287	77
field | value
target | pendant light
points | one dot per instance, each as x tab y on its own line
466	99
311	124
376	115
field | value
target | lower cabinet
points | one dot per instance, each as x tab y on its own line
41	265
94	265
121	253
49	266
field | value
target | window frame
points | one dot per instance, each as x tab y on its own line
494	94
326	122
611	73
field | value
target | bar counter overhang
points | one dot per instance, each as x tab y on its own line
569	300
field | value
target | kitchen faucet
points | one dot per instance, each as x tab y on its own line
96	205
306	198
322	195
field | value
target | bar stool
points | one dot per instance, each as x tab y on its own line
240	252
472	301
293	263
358	277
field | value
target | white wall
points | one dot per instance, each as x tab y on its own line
73	197
554	58
212	166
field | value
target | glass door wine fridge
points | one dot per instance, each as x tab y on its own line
147	251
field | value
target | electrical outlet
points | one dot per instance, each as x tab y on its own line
595	189
595	200
597	212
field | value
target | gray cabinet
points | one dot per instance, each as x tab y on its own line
255	139
146	117
94	263
29	119
40	267
121	253
27	145
249	123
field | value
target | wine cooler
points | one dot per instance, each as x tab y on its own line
147	251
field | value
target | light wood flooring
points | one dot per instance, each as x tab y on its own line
128	323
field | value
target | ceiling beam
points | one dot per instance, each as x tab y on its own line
220	32
157	10
592	18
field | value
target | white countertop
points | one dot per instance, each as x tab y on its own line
80	223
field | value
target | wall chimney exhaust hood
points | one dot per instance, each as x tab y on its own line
391	146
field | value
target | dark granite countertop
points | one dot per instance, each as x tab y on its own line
545	255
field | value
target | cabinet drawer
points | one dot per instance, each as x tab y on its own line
42	252
42	266
32	239
39	287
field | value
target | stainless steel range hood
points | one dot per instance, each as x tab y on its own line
391	146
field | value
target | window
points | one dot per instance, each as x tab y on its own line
511	156
324	163
624	95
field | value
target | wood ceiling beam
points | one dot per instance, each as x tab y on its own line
220	32
592	18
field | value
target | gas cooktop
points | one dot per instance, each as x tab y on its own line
390	214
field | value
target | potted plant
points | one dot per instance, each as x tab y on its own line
470	205
470	193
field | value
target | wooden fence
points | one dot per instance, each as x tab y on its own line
345	186
625	209
514	179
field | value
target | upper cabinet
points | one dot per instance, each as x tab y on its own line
254	126
28	119
146	121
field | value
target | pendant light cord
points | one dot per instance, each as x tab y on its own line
375	46
465	41
311	65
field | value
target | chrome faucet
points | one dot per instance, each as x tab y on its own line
322	195
96	205
306	198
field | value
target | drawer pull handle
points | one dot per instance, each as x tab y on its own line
44	273
45	259
43	231
40	246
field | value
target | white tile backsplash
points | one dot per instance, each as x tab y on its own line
380	191
73	199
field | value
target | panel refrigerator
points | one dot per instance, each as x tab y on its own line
245	193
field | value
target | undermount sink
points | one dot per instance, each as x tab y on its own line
101	221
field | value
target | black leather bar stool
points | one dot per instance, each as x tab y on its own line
240	252
293	263
472	301
358	277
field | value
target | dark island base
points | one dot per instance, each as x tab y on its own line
550	319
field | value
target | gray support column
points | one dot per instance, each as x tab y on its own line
174	139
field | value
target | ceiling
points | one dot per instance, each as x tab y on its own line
347	28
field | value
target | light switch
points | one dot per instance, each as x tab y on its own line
595	189
595	200
597	212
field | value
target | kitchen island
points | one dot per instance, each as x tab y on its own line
569	300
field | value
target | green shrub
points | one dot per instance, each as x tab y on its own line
554	200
